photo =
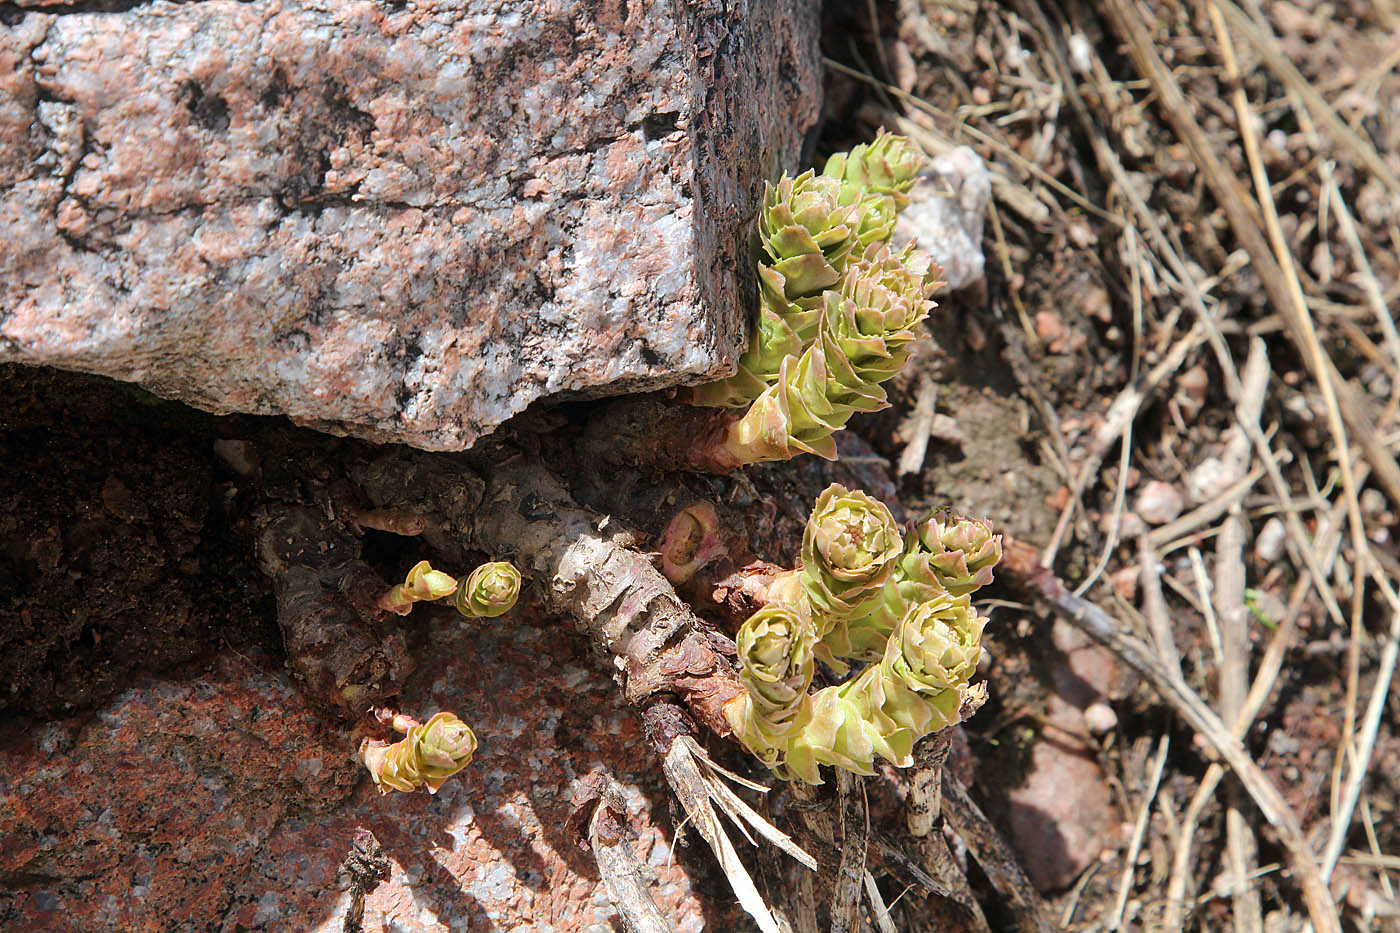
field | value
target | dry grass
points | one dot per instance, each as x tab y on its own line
1209	165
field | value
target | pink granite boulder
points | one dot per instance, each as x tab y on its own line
219	800
405	221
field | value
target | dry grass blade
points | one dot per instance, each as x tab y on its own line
1264	679
686	777
1233	615
1278	63
877	906
1159	623
740	812
1125	884
1369	728
1236	203
1368	278
1021	567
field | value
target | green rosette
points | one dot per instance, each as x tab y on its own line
945	554
888	166
776	667
426	756
489	591
919	686
849	547
870	323
957	553
807	232
936	645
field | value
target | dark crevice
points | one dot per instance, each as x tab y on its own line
209	110
659	125
11	13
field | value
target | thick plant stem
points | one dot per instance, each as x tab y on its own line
326	597
654	432
590	571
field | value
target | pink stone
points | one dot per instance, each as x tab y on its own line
220	798
1158	503
405	223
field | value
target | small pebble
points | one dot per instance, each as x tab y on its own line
1191	388
1125	583
1130	525
1372	502
1049	328
1209	480
1081	53
1268	547
1158	502
1099	718
1097	304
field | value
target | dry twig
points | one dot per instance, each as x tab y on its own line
1020	567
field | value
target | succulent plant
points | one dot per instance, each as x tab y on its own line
862	339
887	166
776	667
944	554
807	232
849	548
875	316
919	686
489	591
421	583
837	308
427	755
936	645
957	552
784	329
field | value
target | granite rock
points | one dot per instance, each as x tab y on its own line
219	799
401	221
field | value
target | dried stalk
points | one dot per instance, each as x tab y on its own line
855	844
1235	201
627	879
1019	566
995	856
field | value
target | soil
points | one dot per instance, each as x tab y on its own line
118	556
125	550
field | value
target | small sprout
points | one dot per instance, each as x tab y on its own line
690	542
960	552
491	590
849	549
422	583
427	755
872	320
936	645
776	667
